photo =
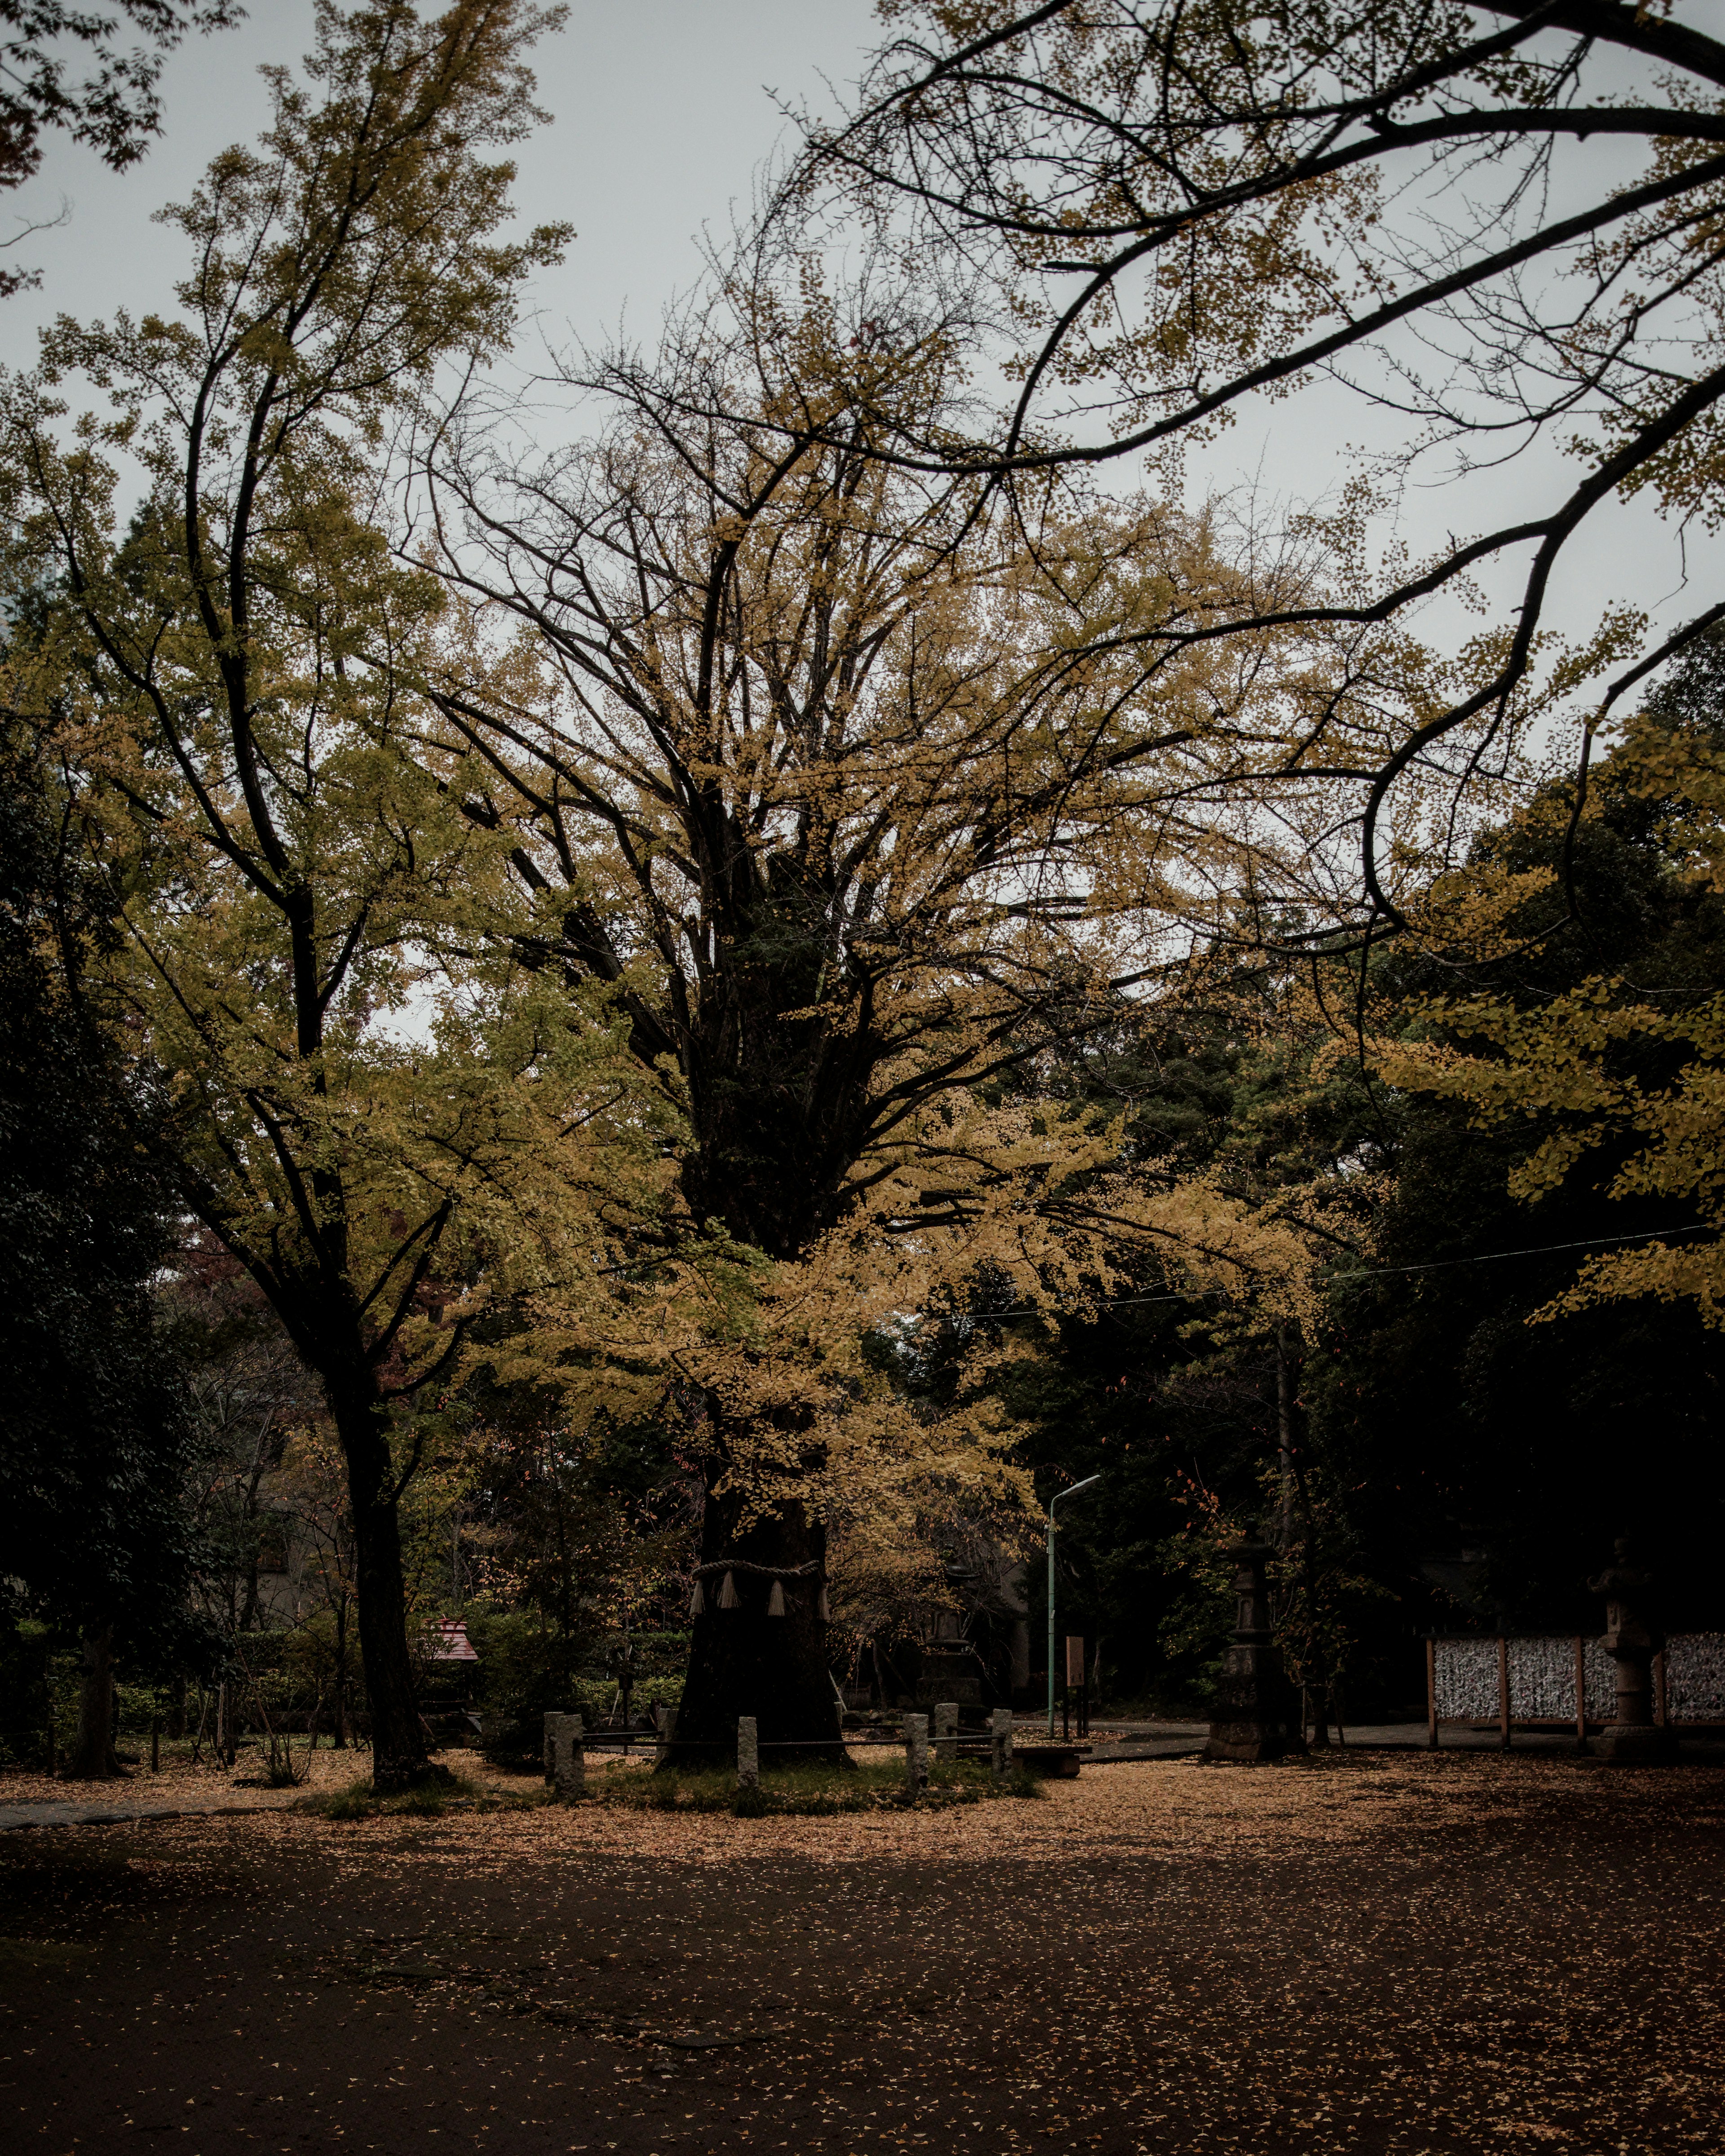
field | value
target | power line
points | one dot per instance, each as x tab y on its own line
1372	1272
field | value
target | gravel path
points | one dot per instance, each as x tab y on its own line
78	1811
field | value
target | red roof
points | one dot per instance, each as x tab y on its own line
450	1643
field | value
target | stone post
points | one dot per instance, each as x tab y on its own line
915	1754
1000	1742
749	1754
945	1732
1256	1711
1631	1640
567	1754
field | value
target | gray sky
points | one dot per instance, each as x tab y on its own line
663	115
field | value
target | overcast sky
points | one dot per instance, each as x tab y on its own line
662	109
664	112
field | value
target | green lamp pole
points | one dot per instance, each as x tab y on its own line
1071	1492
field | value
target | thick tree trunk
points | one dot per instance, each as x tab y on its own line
744	1662
93	1758
772	1116
399	1758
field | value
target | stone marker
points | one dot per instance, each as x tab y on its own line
1256	1712
945	1732
749	1754
915	1753
1631	1640
1000	1742
566	1756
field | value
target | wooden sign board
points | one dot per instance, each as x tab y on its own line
1074	1659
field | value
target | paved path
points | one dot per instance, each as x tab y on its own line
1168	1740
1114	1741
79	1811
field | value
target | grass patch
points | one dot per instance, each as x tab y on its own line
809	1792
451	1792
33	1957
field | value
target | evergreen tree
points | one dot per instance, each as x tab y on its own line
93	1422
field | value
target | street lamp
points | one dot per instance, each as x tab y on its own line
1071	1492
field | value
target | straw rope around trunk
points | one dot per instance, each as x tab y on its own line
777	1573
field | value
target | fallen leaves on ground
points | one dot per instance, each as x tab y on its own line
1373	1952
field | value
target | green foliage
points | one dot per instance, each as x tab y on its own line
94	1428
525	1667
596	1696
313	1658
26	1696
1452	1419
441	1791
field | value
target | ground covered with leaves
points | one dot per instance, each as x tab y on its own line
1374	1952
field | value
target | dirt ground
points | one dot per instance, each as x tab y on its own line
1389	1953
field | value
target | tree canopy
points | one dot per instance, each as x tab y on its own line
1493	229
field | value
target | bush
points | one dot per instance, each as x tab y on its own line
593	1695
25	1696
524	1670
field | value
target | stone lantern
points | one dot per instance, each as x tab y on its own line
1255	1714
1631	1640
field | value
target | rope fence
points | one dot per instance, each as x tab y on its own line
568	1741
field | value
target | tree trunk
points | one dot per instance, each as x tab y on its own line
1288	1377
341	1738
744	1662
93	1758
399	1758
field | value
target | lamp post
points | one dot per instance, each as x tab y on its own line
1071	1492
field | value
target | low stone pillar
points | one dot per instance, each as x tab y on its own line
566	1756
748	1754
1000	1742
915	1753
1256	1711
1631	1640
945	1732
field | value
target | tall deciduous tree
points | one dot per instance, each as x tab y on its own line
375	1107
1494	228
822	774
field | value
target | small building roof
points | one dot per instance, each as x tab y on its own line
449	1642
